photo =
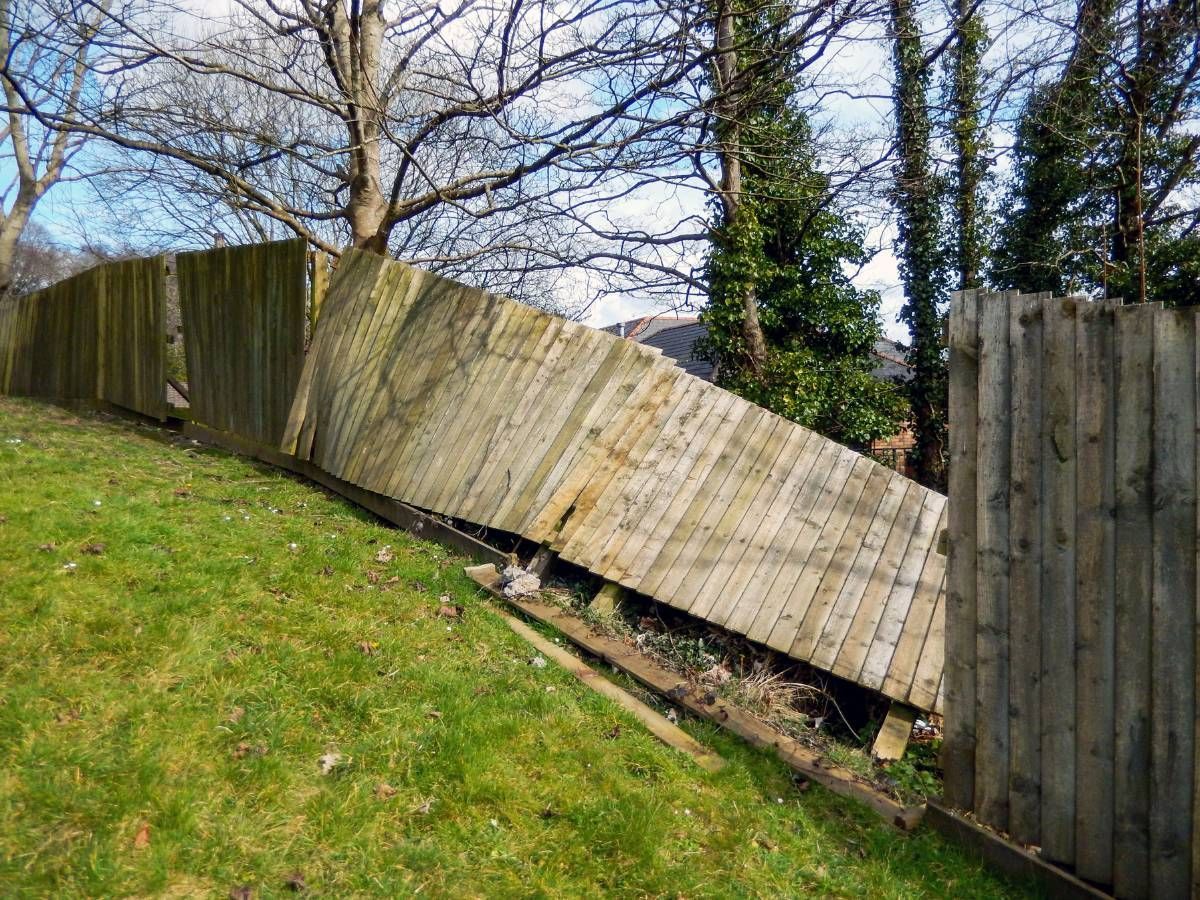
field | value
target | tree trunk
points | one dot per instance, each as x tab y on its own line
354	59
919	245
729	113
969	140
11	229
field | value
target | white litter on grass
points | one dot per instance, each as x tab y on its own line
70	567
330	761
293	546
516	582
226	518
95	503
538	662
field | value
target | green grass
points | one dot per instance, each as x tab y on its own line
183	683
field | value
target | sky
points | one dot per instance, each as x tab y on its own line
862	62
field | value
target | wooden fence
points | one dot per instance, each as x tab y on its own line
473	406
98	335
469	405
244	318
1071	627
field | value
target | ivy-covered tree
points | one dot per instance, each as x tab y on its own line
783	245
969	138
919	246
1106	162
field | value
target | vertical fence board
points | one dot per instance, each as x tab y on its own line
1134	425
991	711
1058	582
958	749
1094	685
1025	571
1173	610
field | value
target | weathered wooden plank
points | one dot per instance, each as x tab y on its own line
848	601
680	487
627	513
782	565
823	549
857	642
603	361
1173	610
629	367
958	746
743	596
741	554
1133	586
1094	575
918	621
482	357
1025	570
744	503
1058	582
926	683
992	637
244	316
388	309
657	724
433	397
467	446
496	481
571	507
686	544
824	587
388	385
352	270
594	522
900	599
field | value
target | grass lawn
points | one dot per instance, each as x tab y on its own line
185	636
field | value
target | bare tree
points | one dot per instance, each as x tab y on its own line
47	51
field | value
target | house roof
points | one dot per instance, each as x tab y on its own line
647	326
676	338
679	343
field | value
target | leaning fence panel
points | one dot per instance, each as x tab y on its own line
479	408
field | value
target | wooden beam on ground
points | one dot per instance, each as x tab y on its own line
894	732
632	662
1008	858
657	724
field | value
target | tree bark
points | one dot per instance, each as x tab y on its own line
729	112
922	257
969	140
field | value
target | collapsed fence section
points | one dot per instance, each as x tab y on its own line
1071	626
473	406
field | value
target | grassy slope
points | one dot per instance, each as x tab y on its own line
120	679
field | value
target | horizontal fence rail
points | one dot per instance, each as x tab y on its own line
477	407
1071	625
